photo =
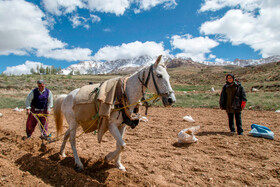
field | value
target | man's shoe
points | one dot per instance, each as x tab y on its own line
25	137
240	133
45	137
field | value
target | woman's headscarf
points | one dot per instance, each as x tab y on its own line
230	74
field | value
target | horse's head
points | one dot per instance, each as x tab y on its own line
159	82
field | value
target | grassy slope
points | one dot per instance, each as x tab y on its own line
192	85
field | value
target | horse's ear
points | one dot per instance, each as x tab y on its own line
157	61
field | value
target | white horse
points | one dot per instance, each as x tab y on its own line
154	77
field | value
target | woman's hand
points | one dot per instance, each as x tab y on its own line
243	104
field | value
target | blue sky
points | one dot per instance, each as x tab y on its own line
64	32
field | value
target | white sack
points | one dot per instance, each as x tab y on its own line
188	118
18	109
187	135
1	115
255	90
144	119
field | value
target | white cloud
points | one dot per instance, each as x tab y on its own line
130	50
214	5
23	31
255	23
94	18
23	68
219	60
107	30
82	21
22	28
211	56
59	7
78	21
117	7
75	54
194	48
148	4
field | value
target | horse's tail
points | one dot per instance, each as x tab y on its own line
58	115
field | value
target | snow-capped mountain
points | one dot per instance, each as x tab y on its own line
252	62
244	63
86	67
133	64
115	66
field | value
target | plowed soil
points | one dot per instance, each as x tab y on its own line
152	156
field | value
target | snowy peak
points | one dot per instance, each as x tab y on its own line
114	66
83	67
252	62
131	65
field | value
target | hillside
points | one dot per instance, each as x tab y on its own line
194	78
265	76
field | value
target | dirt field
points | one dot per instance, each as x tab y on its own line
152	156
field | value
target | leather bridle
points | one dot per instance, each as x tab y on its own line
145	82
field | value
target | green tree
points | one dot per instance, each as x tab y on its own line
58	70
47	70
38	69
32	71
77	72
42	70
52	70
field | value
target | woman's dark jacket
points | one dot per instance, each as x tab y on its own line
231	97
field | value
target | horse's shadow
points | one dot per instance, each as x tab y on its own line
58	172
206	133
181	145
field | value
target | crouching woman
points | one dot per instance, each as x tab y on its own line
233	100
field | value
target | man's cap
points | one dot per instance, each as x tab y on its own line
40	82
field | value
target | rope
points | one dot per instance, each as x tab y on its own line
39	121
152	98
96	117
89	127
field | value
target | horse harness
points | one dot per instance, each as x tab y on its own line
130	119
145	84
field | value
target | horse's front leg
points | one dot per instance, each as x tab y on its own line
114	130
118	163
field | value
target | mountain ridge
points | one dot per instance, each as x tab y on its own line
125	66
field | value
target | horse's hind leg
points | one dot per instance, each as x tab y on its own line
78	164
62	148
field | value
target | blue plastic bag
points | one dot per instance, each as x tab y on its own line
261	131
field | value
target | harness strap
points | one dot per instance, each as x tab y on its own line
148	78
145	83
155	84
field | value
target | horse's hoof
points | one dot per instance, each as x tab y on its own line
78	168
106	160
120	167
62	155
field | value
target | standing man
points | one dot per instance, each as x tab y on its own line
38	105
233	100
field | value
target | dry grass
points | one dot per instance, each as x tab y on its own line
196	81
